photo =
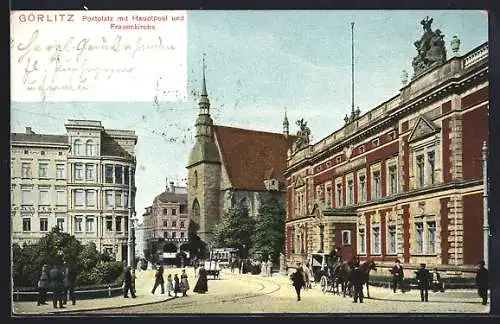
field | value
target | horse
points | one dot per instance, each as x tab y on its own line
343	276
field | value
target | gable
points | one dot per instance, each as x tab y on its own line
298	182
422	128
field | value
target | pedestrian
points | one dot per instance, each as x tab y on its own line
436	283
176	285
269	267
397	276
482	282
159	281
357	282
170	284
127	283
423	277
43	286
57	286
69	284
307	280
184	284
201	286
298	281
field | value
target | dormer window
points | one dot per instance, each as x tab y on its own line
391	135
375	142
361	149
338	159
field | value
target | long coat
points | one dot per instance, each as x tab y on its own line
423	278
176	284
159	275
298	279
170	284
482	278
44	281
69	277
201	285
184	284
397	272
56	279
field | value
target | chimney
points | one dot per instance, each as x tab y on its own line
172	187
29	131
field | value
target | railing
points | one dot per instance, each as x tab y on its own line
475	56
110	291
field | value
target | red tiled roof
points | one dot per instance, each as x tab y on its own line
249	155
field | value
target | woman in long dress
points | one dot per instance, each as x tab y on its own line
170	284
176	285
201	286
184	284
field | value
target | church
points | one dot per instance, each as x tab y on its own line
229	166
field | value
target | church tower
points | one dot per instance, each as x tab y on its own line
204	171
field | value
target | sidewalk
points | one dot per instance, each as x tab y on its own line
144	284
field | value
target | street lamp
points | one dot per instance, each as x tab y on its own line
129	241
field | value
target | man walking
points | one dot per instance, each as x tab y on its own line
127	283
423	277
482	282
397	276
57	286
357	281
43	285
298	281
159	280
69	284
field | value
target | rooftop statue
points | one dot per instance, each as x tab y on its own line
431	48
302	135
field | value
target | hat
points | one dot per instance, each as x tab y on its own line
397	261
422	264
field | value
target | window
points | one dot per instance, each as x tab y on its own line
339	194
174	211
25	151
165	211
125	199
431	237
25	170
346	237
26	225
60	171
350	186
60	224
165	223
43	170
362	241
195	182
89	172
118	198
391	135
118	174
78	224
182	234
420	171
361	149
432	166
78	147
91	195
44	224
165	234
328	196
118	223
174	224
419	231
174	234
44	197
108	250
376	239
109	198
109	223
79	197
26	195
182	225
108	173
362	188
375	142
392	180
376	184
392	240
125	223
125	172
338	159
89	148
89	225
78	171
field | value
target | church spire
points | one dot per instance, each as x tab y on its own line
204	103
285	125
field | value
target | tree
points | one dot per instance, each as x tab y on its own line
268	238
234	229
195	246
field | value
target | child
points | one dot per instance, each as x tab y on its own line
170	285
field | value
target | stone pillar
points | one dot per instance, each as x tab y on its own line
282	264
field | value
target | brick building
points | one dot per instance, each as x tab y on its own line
403	181
231	165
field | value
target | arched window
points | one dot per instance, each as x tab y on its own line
245	204
195	179
89	148
77	147
196	210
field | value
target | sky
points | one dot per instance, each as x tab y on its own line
259	63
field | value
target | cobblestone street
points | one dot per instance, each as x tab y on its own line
235	293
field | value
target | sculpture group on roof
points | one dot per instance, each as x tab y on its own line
431	48
302	135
